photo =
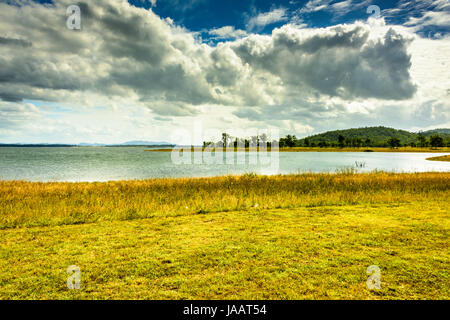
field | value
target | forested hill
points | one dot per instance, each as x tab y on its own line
442	132
373	136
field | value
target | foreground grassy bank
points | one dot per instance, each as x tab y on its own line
249	237
333	149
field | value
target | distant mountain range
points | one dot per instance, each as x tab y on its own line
128	143
377	135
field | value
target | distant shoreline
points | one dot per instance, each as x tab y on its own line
79	146
318	149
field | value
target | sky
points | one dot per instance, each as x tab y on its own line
144	69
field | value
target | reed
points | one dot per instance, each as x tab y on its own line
44	204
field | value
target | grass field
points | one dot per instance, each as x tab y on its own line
308	236
345	149
441	158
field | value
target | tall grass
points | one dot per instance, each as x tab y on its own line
43	204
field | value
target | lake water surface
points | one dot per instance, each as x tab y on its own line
126	163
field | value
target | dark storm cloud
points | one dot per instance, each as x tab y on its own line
15	42
37	73
10	97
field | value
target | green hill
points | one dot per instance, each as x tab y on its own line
441	132
370	136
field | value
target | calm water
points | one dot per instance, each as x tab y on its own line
103	164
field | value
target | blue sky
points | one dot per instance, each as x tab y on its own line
142	69
201	15
204	15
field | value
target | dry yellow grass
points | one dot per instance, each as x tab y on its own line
441	158
308	236
44	204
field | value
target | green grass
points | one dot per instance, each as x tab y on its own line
441	158
309	236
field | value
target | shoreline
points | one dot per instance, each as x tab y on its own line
340	172
445	158
318	149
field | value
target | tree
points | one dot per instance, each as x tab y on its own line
263	140
290	141
307	142
436	141
323	144
341	140
348	142
394	142
254	141
225	138
367	142
422	140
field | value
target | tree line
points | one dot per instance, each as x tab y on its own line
434	141
291	141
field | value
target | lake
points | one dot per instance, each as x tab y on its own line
125	163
